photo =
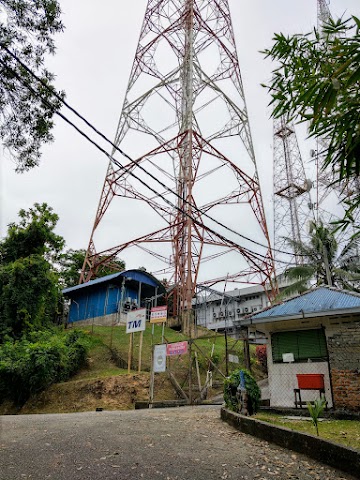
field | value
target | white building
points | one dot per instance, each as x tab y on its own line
216	311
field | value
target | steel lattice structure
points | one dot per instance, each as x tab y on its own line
184	119
323	12
293	207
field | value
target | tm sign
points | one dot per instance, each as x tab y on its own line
136	321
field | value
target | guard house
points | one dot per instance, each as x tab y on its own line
106	300
313	344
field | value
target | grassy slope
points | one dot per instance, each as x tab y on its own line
119	341
346	432
103	384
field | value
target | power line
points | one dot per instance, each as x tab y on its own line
258	256
92	127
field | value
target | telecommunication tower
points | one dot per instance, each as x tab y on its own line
184	120
293	207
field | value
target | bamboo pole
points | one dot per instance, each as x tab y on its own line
198	370
130	352
140	350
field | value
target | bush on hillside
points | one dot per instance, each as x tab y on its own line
230	388
33	363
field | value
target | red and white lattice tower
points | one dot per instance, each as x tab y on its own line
184	119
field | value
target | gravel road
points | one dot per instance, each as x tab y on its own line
189	443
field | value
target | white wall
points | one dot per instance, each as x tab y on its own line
282	381
208	314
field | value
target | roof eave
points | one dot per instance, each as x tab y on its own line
300	316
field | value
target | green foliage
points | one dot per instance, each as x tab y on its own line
27	28
316	410
71	263
30	365
230	388
28	295
32	235
29	292
343	266
318	81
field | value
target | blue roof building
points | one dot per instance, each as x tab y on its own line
312	338
106	300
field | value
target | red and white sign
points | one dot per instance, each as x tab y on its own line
179	348
158	314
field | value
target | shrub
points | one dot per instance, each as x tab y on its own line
261	356
230	388
33	363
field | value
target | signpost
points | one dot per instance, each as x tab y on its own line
179	348
158	315
158	365
135	322
159	358
233	358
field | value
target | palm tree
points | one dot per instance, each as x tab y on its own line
323	263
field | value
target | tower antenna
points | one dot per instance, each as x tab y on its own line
184	120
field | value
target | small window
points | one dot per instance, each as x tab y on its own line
304	344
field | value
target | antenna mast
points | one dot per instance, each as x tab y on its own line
185	120
292	203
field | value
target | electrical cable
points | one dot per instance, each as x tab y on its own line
256	255
92	127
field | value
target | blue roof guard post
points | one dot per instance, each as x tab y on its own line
321	301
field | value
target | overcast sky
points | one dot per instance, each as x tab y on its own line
92	64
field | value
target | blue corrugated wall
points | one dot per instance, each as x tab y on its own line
97	302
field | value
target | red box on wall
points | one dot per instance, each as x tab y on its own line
310	381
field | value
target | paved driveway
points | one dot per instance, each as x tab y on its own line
174	444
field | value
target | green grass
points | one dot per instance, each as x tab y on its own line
345	432
81	392
107	339
117	339
100	363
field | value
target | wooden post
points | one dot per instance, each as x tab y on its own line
198	371
190	374
177	386
226	352
140	350
162	333
130	351
111	334
152	379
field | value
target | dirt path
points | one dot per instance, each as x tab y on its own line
172	444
